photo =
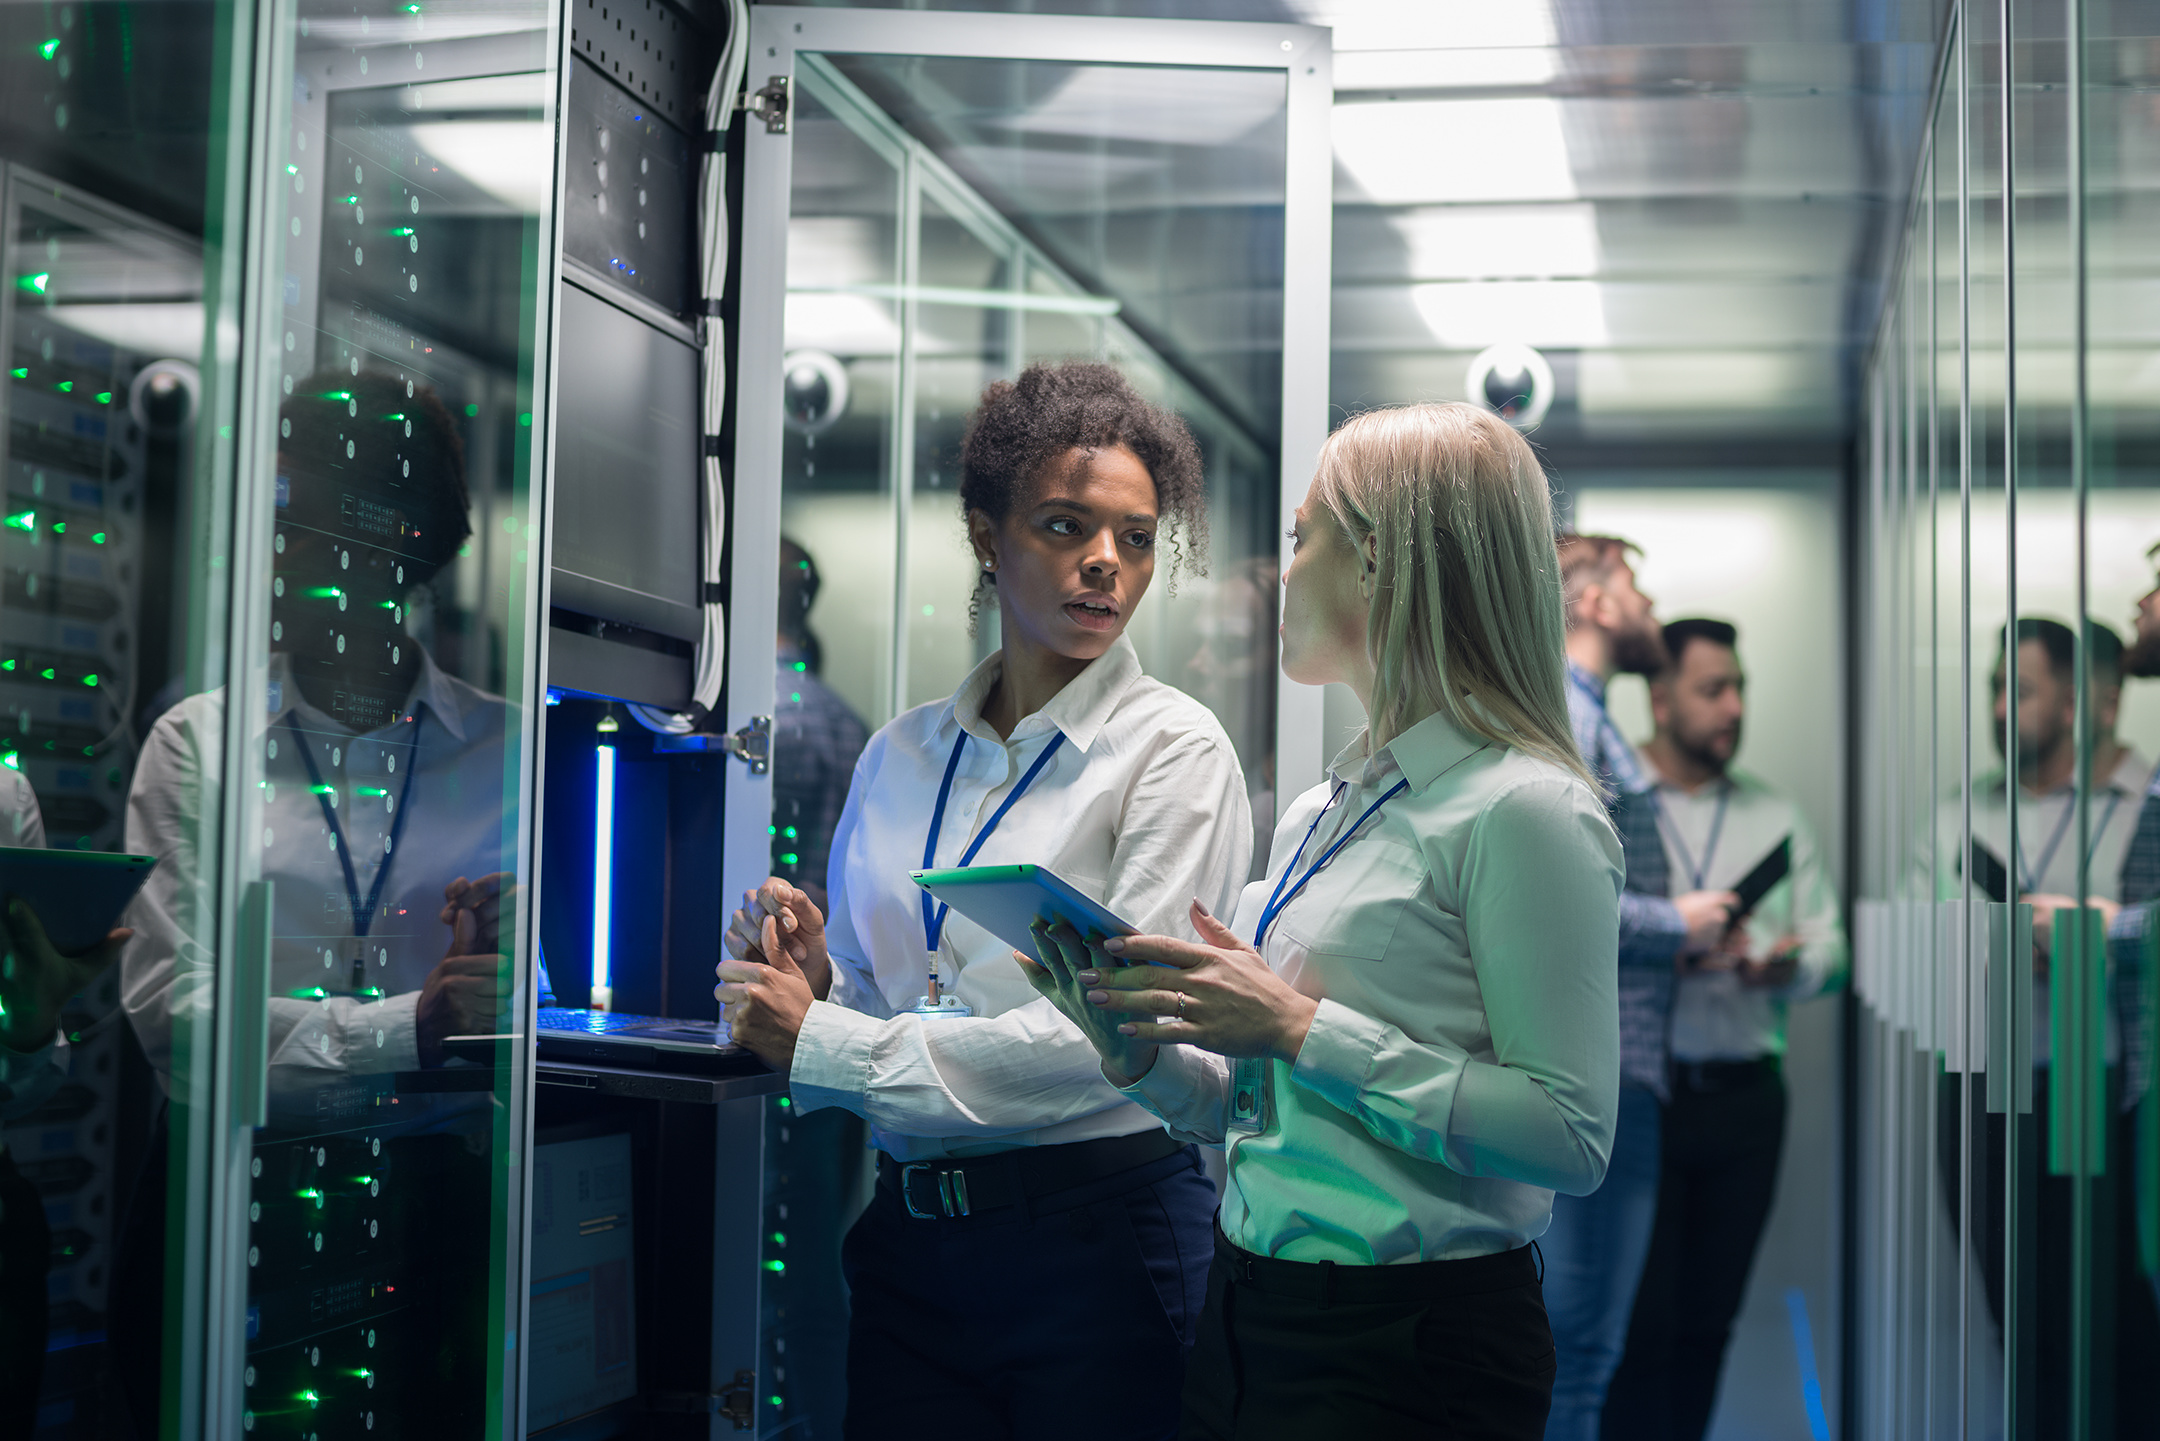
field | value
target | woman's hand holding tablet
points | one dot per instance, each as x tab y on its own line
1218	995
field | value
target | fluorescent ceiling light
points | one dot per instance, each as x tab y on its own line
1547	314
1435	24
154	329
511	160
485	92
983	299
1444	69
1148	103
1455	151
846	325
1500	242
1700	383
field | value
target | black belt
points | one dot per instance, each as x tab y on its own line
958	1186
1715	1076
1327	1283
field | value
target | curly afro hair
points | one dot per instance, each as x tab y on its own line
1081	405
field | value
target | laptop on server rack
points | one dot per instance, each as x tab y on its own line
643	1043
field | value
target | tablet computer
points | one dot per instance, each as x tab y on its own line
1006	900
79	895
1990	876
1756	884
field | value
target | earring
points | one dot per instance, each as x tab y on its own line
989	565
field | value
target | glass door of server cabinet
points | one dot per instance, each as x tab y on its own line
384	680
933	202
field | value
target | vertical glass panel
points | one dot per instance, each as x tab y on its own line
2116	1227
840	479
114	563
411	182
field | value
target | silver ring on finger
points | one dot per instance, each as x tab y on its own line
1181	1005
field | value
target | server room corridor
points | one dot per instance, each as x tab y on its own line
490	484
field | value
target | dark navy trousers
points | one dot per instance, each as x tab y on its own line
1013	1324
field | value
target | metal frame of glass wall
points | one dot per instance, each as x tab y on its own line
2005	1188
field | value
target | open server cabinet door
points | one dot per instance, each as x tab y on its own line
931	203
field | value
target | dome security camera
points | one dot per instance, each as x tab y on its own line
1514	382
814	390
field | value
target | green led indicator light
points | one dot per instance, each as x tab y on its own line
65	387
12	760
372	791
791	833
352	200
89	680
310	1194
46	673
23	520
35	283
525	418
50	48
337	395
97	537
471	411
59	527
785	1103
104	397
311	1398
292	170
779	1238
21	372
801	666
775	1400
795	696
789	858
769	830
322	790
776	1266
7	665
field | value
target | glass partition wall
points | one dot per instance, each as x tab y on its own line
275	308
2008	1181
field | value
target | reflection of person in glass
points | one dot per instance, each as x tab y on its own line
2042	868
816	738
382	775
1026	1214
36	981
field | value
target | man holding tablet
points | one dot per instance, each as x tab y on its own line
1724	1123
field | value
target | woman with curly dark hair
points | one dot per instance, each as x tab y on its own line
1025	1211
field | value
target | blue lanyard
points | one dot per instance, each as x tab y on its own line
1280	899
363	917
2030	880
1699	874
933	919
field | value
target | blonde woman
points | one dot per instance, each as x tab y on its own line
1407	1037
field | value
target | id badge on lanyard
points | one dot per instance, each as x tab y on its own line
1249	1076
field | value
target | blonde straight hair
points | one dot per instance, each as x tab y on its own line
1467	615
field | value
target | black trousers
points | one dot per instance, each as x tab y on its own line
25	1257
1724	1130
1290	1351
2125	1378
1061	1319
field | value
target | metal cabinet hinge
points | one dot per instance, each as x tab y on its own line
739	1401
769	103
753	744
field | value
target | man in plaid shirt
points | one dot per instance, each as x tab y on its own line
1595	1248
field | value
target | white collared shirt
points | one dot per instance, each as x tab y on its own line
1143	808
1714	835
455	828
2045	859
1464	1063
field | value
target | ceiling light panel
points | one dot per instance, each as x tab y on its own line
1499	242
1433	24
1453	151
1548	314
